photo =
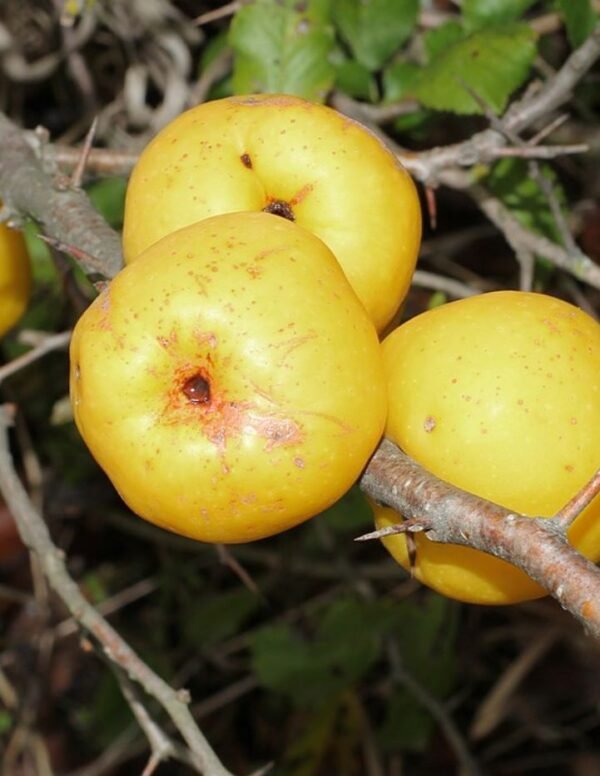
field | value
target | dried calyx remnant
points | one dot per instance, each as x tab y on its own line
197	389
279	207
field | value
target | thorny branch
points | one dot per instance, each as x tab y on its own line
538	546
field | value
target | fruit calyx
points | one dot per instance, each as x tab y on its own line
279	207
197	389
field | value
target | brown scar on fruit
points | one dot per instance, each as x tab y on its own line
301	195
193	400
292	344
279	431
246	161
345	428
103	304
167	342
206	338
429	424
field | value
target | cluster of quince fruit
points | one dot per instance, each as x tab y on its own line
231	381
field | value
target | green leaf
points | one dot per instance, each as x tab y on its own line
510	181
355	79
492	63
399	80
580	19
408	726
426	639
440	38
214	618
280	49
339	654
481	13
6	722
108	197
375	29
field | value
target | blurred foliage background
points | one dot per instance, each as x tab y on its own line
306	649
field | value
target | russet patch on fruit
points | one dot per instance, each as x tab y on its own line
229	381
304	162
498	394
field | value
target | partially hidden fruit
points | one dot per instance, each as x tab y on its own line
229	382
499	395
296	159
15	277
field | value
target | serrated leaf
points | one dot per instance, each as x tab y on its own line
510	181
280	49
399	79
491	62
481	13
375	29
580	19
439	38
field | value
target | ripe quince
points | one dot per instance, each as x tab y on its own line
287	156
498	394
229	382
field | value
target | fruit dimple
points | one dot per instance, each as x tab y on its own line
279	207
197	389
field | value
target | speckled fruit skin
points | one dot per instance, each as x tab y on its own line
332	175
498	394
15	277
229	382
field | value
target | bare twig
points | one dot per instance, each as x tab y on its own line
110	605
579	502
228	9
495	705
536	545
557	90
161	746
227	559
35	535
483	147
48	344
437	709
453	288
521	238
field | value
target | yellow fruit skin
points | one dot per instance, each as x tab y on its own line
260	309
241	153
499	395
15	277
